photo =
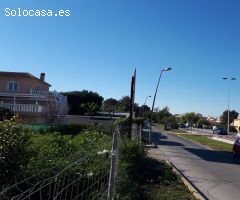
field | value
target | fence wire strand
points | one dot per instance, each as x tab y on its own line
86	177
81	179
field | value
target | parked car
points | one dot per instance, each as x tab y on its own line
181	125
199	126
236	148
219	131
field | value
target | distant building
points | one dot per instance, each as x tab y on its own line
213	120
29	96
236	124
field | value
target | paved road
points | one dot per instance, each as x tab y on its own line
209	133
216	174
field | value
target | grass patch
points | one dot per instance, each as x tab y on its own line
170	192
177	131
217	145
37	127
144	178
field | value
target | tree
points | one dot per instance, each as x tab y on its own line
192	117
170	121
145	108
161	114
90	108
203	121
232	115
183	119
137	110
77	98
110	105
124	104
144	111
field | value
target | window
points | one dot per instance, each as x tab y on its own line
12	86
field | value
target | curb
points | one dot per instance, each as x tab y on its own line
222	140
192	188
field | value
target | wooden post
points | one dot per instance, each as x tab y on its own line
132	101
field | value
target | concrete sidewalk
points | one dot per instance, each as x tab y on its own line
214	173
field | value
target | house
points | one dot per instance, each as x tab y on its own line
30	97
236	124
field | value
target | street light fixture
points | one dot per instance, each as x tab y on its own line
142	108
150	128
229	86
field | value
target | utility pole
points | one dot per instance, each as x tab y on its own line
132	101
229	87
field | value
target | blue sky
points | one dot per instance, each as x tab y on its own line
100	44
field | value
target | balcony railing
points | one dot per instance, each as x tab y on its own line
59	96
23	107
44	93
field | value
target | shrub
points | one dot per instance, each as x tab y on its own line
126	121
16	149
122	122
138	121
51	149
131	156
68	129
5	114
137	173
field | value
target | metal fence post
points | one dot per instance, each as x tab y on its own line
113	169
140	135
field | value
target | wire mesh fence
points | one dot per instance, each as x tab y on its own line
85	178
91	176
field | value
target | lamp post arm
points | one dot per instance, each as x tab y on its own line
145	101
156	90
150	126
229	87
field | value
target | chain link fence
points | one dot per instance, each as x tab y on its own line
87	177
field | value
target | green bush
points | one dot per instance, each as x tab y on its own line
122	122
58	149
68	129
16	149
138	120
51	149
5	114
137	172
126	121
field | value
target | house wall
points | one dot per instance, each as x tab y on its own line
32	117
236	123
24	84
23	100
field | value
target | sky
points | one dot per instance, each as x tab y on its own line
100	44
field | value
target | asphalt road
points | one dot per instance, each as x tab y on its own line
216	174
209	133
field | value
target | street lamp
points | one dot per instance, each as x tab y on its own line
229	85
150	128
142	109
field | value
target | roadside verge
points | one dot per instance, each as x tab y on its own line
191	187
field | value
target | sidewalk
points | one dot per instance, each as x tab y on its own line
212	172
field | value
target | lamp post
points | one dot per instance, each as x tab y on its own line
150	127
229	86
142	109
